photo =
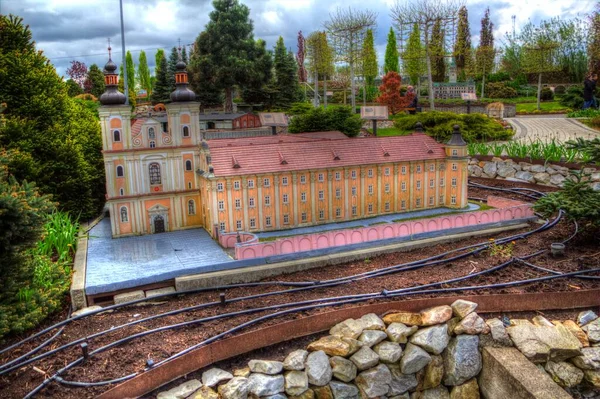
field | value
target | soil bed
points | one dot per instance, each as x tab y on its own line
582	253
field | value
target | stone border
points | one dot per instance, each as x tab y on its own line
255	273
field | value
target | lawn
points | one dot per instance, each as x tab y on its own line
388	131
546	107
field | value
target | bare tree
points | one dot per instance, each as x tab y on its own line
346	29
426	13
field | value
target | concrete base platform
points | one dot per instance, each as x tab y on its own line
507	373
256	273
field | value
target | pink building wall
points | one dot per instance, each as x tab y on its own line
250	247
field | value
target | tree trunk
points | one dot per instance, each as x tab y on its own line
483	84
229	100
316	90
325	91
353	102
539	94
429	77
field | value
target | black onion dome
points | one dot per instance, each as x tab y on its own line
456	139
182	92
110	66
180	66
111	96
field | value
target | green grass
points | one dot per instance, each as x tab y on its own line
388	131
545	107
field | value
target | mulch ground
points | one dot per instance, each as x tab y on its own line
582	253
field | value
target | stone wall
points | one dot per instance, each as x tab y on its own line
549	174
434	354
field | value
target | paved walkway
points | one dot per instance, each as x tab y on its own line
546	128
365	222
119	263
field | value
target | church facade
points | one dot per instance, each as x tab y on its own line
161	176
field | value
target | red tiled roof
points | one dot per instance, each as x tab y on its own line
136	126
255	158
286	138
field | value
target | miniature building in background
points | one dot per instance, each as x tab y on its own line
452	90
229	121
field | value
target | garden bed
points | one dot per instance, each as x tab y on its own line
582	253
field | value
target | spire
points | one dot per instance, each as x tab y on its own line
111	95
182	92
456	139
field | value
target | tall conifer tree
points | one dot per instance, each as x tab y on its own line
391	53
370	67
286	75
462	46
438	52
95	81
162	87
413	57
173	58
144	73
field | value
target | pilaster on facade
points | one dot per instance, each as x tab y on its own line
228	187
260	199
425	185
379	188
277	210
313	199
330	194
295	197
245	203
362	192
411	188
347	210
395	187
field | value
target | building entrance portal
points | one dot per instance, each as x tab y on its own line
159	224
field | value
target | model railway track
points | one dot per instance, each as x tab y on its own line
283	309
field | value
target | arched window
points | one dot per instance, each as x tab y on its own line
120	172
186	131
124	216
188	165
155	173
151	133
191	207
116	135
152	144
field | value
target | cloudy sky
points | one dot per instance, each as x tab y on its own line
74	29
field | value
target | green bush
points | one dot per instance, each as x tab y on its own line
560	90
584	113
500	90
547	94
474	127
332	118
498	77
573	98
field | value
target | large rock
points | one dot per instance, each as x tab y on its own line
537	168
374	382
472	324
236	388
589	359
270	367
400	382
557	180
413	359
265	385
318	368
323	392
525	176
335	346
585	317
433	339
181	391
592	329
506	170
543	177
564	374
399	332
371	321
342	390
431	376
498	332
348	328
540	344
439	392
592	377
343	369
365	358
372	337
462	360
295	360
407	318
215	376
436	315
243	372
204	393
475	170
461	308
577	332
540	320
468	390
296	382
490	169
389	352
308	394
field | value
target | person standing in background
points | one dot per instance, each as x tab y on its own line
589	87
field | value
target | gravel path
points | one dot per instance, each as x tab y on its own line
546	128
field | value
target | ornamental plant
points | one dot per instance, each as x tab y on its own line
390	93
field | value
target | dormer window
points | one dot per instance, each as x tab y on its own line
454	153
116	136
186	131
